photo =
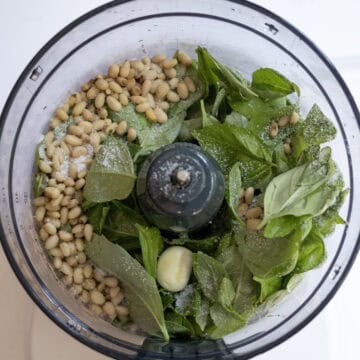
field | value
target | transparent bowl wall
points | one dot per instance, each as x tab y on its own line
241	35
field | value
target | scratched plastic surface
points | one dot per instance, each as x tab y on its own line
240	35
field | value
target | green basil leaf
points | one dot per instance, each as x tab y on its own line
141	290
151	246
268	286
246	289
177	324
61	130
311	254
220	96
187	128
97	216
235	118
39	183
282	226
226	293
209	274
233	188
201	308
184	300
315	130
111	175
269	83
206	245
207	119
226	321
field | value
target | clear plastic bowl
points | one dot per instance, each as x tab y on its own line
240	34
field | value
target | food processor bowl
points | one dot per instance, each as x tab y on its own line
238	33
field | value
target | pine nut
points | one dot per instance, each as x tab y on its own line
249	195
114	291
111	282
254	213
96	309
122	310
101	287
92	92
182	90
53	214
283	121
131	135
87	270
150	114
65	249
52	183
78	229
137	99
55	122
69	181
116	300
50	207
66	269
150	100
101	84
164	105
74	213
173	83
49	138
115	87
162	90
86	126
97	297
78	151
241	195
87	115
75	130
88	232
142	107
114	105
69	191
131	83
172	96
55	222
51	192
158	58
114	70
65	236
56	252
146	86
64	148
123	99
184	58
39	201
149	75
72	171
170	73
242	209
294	118
79	245
109	309
40	214
56	202
155	84
160	115
78	276
252	224
51	242
81	257
168	63
50	150
98	275
73	140
274	129
121	128
76	289
95	139
79	108
287	149
137	66
64	215
85	296
43	234
44	167
57	262
99	100
125	69
79	184
61	114
190	84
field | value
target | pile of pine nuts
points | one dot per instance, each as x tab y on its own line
282	122
252	215
150	84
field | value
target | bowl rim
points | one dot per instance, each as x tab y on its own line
28	70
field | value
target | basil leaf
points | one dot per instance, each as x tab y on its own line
39	183
235	118
159	135
226	293
141	290
315	130
225	320
282	226
233	188
267	258
236	144
206	245
268	286
207	120
97	216
184	300
111	175
151	246
299	191
246	289
311	254
201	308
209	274
220	96
167	299
269	83
256	173
177	324
187	128
61	130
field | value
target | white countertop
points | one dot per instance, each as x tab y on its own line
25	332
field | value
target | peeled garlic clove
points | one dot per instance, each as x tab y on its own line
174	268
